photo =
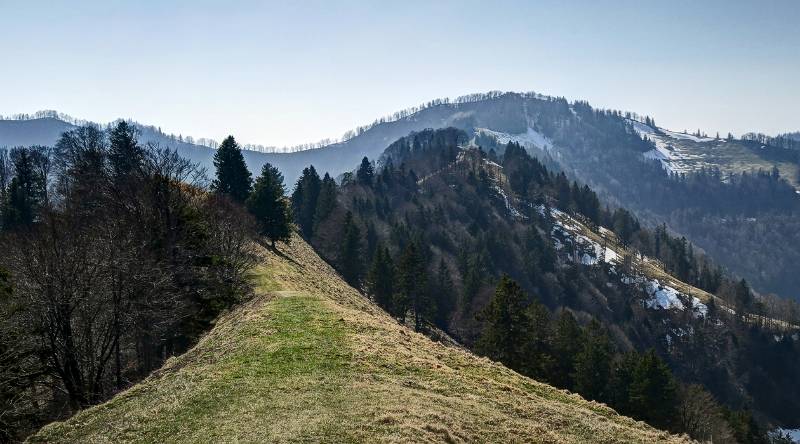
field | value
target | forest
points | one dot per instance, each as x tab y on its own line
114	256
117	256
427	235
724	214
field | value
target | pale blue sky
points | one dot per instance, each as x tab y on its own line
283	73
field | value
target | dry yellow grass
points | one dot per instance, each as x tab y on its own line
311	360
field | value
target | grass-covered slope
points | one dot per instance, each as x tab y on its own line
309	360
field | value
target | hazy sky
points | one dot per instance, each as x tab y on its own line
283	73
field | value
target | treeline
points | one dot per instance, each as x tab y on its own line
787	141
114	256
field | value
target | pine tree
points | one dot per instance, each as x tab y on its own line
411	284
25	192
652	393
268	205
593	364
380	279
350	253
326	201
567	341
365	172
125	156
304	200
506	325
742	298
444	293
538	343
233	177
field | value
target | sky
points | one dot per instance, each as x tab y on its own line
292	72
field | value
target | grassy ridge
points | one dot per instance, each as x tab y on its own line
311	360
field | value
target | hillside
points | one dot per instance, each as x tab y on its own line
309	359
44	131
604	149
684	153
476	217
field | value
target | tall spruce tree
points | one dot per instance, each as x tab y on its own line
506	325
411	286
366	172
444	294
538	343
326	201
380	279
567	341
25	193
233	177
350	253
125	155
652	395
304	200
593	364
269	206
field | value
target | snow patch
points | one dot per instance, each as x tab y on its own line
700	309
641	128
683	136
514	212
529	139
590	252
663	297
794	434
672	157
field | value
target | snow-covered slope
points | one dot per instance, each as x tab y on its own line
672	154
590	247
529	139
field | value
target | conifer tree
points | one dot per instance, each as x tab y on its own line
593	364
25	192
125	155
305	198
411	284
567	341
538	341
372	240
350	253
444	292
233	177
380	279
365	172
326	201
506	325
652	393
268	204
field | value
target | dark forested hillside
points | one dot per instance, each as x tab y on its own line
112	259
482	244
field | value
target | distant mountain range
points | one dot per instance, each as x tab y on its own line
506	116
627	159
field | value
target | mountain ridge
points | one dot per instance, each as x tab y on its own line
405	387
612	154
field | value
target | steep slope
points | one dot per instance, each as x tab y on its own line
476	216
309	359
